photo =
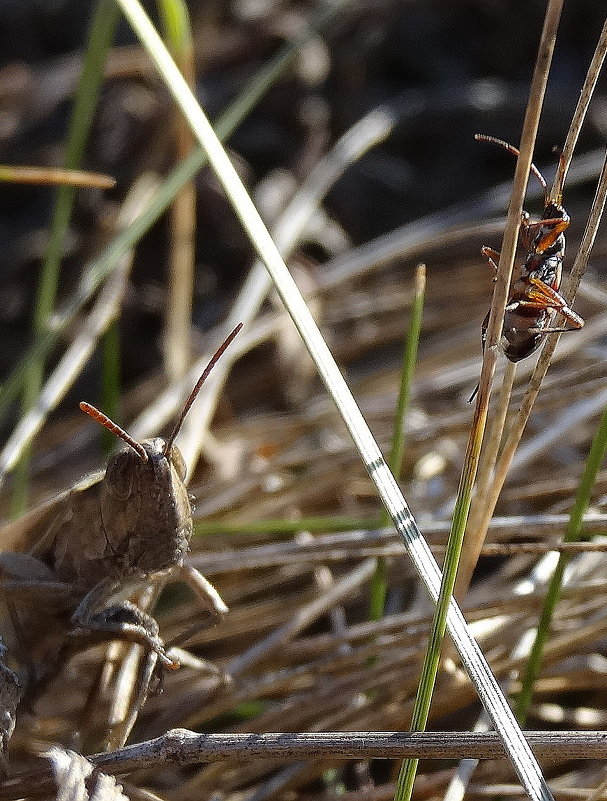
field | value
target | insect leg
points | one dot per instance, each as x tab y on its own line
543	296
125	622
554	227
202	588
492	256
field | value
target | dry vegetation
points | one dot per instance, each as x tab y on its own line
296	652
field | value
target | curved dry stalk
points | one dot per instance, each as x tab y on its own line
491	494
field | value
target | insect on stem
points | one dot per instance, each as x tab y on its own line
114	428
188	404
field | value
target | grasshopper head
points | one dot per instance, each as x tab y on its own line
145	508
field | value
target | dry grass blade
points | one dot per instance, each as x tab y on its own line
55	177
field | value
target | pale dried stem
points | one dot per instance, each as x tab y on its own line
486	469
579	114
182	253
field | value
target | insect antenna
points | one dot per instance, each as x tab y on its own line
515	151
188	404
114	428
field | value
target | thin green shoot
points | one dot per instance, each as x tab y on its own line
379	581
423	700
278	527
573	533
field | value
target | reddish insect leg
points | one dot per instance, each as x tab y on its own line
554	227
542	296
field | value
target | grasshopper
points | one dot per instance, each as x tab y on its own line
68	565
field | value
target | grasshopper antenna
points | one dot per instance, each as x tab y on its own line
188	404
515	151
114	428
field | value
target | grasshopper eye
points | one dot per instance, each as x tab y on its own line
119	474
178	462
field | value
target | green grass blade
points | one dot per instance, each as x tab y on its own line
572	534
100	38
378	588
334	523
423	700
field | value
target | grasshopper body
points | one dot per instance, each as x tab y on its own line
67	567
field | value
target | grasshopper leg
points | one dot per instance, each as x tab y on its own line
206	593
126	622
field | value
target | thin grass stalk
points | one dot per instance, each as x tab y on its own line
406	778
489	691
473	548
101	266
579	114
486	469
54	176
100	38
177	31
573	534
379	581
